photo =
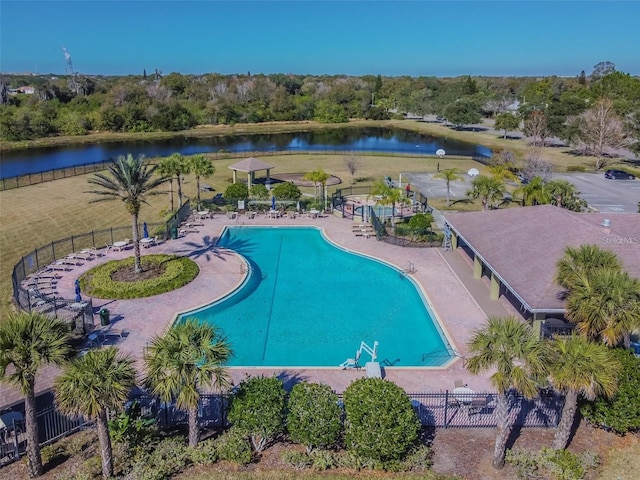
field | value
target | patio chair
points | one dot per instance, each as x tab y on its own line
352	362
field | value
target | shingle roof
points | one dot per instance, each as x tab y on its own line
522	245
250	165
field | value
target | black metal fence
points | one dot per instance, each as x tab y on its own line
446	409
66	172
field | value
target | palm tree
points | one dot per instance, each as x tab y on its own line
564	194
511	349
189	356
317	177
605	305
583	259
580	367
450	175
181	167
131	181
535	192
502	172
93	384
488	189
201	166
27	342
166	168
388	196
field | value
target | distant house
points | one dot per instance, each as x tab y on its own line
27	90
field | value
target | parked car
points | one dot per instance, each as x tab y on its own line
618	175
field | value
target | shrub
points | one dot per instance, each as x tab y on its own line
204	453
558	464
297	459
622	412
178	272
322	460
419	459
259	192
286	191
131	427
314	417
380	421
169	457
233	446
257	409
236	191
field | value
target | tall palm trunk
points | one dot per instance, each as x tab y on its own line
179	191
566	421
198	189
448	191
502	415
105	444
194	429
33	441
136	242
171	193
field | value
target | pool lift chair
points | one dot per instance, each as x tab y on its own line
372	368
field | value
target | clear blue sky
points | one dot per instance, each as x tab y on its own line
439	38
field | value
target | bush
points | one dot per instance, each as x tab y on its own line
204	453
419	459
178	272
380	421
314	417
297	459
236	191
257	410
558	464
169	457
622	412
233	446
322	459
286	191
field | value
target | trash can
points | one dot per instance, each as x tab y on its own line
174	233
104	317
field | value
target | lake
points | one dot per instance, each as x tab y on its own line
372	139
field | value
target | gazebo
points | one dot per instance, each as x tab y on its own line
250	166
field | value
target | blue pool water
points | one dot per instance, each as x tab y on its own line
310	303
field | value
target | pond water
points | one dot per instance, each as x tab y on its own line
373	139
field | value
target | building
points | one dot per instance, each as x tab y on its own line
517	249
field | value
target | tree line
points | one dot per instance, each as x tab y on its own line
592	112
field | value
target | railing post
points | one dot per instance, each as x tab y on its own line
446	408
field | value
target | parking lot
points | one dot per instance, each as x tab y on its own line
603	195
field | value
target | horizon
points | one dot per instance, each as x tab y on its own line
442	39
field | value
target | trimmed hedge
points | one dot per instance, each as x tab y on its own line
179	271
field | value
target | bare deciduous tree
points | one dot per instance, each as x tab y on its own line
535	166
536	128
353	163
599	129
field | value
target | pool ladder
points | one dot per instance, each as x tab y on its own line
410	269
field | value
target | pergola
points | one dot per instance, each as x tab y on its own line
250	166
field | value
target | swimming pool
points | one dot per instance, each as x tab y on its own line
307	302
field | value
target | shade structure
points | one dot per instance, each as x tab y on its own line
145	230
273	203
78	296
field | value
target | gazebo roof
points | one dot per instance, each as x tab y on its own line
250	165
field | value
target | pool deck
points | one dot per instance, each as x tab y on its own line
461	303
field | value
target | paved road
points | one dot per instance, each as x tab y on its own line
604	195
